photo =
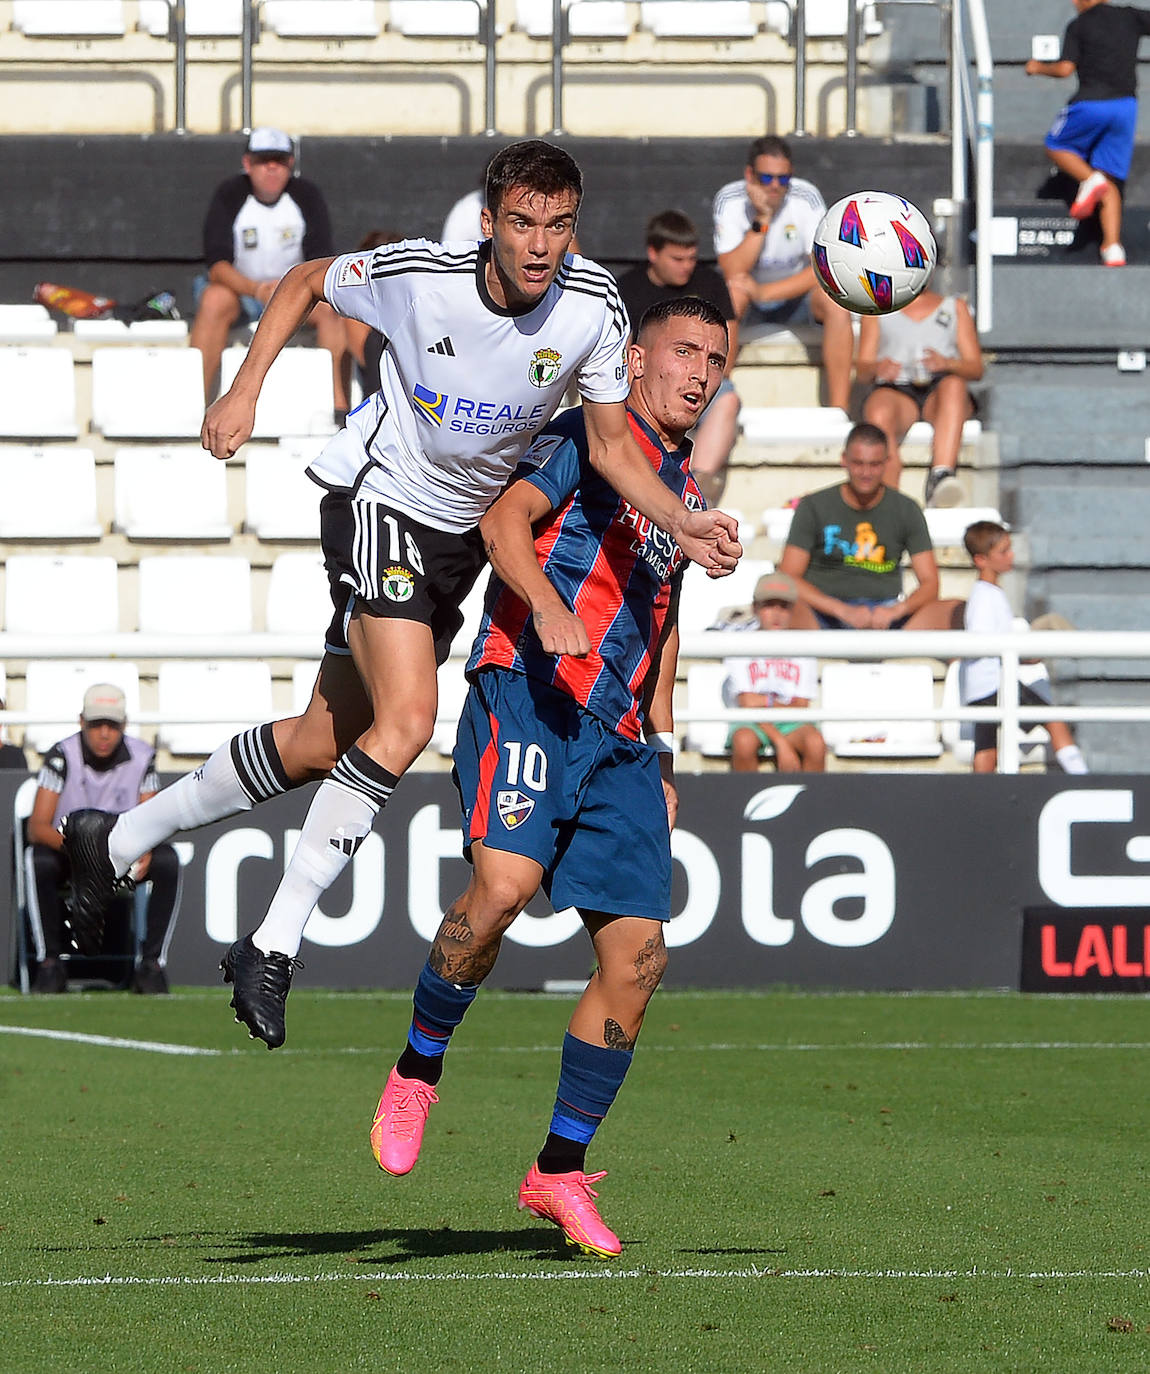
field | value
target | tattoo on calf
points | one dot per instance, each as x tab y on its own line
615	1038
453	955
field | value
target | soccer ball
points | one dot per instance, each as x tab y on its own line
873	252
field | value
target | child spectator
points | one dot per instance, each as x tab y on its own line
1092	140
988	612
774	682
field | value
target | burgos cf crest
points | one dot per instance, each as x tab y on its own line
513	808
397	584
430	404
544	367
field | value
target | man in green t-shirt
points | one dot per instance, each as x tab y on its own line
846	544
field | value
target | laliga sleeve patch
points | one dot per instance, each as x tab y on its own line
352	271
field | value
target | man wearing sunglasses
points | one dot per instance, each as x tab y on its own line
764	227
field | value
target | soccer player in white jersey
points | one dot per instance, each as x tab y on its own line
482	342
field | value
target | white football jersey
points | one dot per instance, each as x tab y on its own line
787	243
464	384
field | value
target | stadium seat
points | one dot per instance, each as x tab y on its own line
57	687
585	18
788	424
472	611
280	500
202	18
238	687
299	602
922	433
147	393
947	526
69	18
296	397
195	594
886	686
171	493
303	675
452	694
63	594
704	599
48	493
434	18
698	18
828	19
958	735
332	19
705	693
37	393
26	324
146	332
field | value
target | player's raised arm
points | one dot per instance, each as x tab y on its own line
510	545
710	538
230	420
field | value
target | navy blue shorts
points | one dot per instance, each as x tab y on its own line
540	776
1101	132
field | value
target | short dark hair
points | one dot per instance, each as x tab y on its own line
671	226
539	166
770	145
676	307
864	433
982	536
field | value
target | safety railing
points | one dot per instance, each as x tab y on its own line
1012	649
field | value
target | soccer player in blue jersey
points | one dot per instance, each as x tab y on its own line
573	664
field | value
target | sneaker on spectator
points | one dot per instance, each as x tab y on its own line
1114	255
943	489
1090	192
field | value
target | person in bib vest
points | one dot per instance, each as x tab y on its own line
99	766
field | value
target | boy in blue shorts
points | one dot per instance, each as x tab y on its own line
1092	139
573	665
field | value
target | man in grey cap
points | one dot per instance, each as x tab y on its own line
98	766
260	224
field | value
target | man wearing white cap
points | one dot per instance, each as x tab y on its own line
259	225
98	766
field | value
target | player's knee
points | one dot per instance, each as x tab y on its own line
494	901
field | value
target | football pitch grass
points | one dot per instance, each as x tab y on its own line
801	1182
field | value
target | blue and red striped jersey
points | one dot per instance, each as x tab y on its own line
611	565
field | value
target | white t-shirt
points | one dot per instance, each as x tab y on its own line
787	243
268	239
462	220
783	679
464	384
987	612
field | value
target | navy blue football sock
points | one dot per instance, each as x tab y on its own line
590	1077
438	1007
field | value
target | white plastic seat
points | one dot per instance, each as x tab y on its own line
171	493
37	393
68	18
26	324
280	499
147	393
303	675
202	18
452	694
698	18
777	523
704	599
885	686
704	693
67	594
58	686
434	18
48	493
299	602
296	396
958	735
148	332
195	594
332	19
472	612
828	19
585	18
948	525
787	424
921	432
241	688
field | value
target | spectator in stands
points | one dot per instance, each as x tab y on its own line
764	227
258	225
11	755
988	612
1092	140
920	359
846	543
98	766
774	683
672	271
364	343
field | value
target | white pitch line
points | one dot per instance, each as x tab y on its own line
571	1275
109	1041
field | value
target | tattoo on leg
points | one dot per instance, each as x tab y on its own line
650	963
615	1038
453	954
